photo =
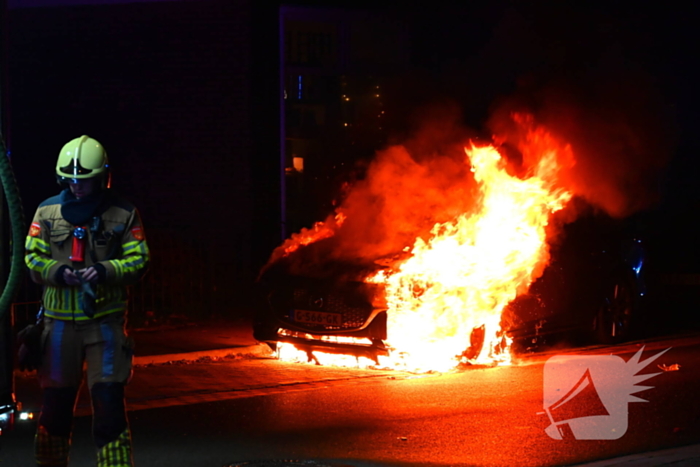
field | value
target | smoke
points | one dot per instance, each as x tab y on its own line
408	188
593	77
400	196
619	131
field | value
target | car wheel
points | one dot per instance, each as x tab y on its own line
615	317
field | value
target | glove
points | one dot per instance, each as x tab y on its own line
89	299
29	353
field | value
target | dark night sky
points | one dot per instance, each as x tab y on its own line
494	45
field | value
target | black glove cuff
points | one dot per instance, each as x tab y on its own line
101	272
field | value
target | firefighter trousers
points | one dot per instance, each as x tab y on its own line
101	349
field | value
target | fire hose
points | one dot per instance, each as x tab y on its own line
14	204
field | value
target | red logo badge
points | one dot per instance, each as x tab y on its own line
137	232
35	229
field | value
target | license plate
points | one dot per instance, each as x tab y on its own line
318	317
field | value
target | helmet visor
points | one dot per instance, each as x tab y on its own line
74	170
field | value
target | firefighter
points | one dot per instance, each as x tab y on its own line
85	245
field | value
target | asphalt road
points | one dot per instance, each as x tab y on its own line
476	416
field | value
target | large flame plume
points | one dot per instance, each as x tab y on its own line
464	276
462	271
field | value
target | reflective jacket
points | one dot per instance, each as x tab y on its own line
117	243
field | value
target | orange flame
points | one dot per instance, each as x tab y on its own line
318	231
462	277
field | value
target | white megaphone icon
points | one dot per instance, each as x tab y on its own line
586	396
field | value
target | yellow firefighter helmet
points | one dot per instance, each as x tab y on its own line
82	158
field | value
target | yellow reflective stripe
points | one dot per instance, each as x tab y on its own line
110	294
128	265
47	269
131	248
134	264
35	243
36	256
50	449
61	314
54	299
116	453
36	262
61	298
39	263
117	268
78	315
68	298
64	302
128	247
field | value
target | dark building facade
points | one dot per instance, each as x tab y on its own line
336	65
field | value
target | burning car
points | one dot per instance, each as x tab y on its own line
431	270
593	290
329	308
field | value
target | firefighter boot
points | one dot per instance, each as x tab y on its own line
110	426
52	440
116	453
50	450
